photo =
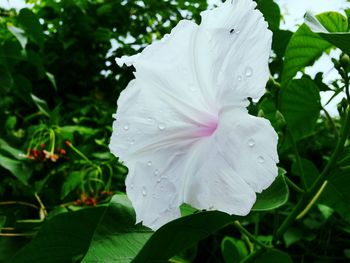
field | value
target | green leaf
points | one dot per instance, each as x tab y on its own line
19	35
274	196
306	46
51	79
300	105
302	50
9	149
117	238
337	195
6	80
17	168
71	182
41	104
63	238
180	234
271	12
30	23
273	256
334	22
310	171
233	250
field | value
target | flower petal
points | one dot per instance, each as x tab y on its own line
233	46
249	144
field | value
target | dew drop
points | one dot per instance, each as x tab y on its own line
132	141
161	126
126	127
144	192
150	119
156	172
251	142
158	180
248	72
239	78
149	163
132	186
261	159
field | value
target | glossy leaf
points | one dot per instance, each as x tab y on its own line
17	168
19	34
30	23
64	238
271	12
233	250
306	46
274	196
181	234
300	105
41	104
117	238
340	39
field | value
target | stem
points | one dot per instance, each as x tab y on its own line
253	255
19	203
293	185
298	160
249	235
79	153
319	181
313	201
330	120
42	207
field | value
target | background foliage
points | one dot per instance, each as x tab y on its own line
61	191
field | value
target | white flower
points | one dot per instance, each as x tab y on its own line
182	127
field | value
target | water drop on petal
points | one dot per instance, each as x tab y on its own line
251	143
156	172
261	159
239	78
144	192
248	72
149	163
126	127
161	126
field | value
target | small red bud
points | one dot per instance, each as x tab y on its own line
68	143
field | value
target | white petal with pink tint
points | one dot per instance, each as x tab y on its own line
181	126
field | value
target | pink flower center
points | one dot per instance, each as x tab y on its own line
207	129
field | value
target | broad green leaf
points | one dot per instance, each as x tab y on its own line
271	12
337	195
233	250
71	182
11	150
6	80
180	234
310	171
300	105
30	23
19	35
64	238
17	168
41	104
117	238
280	39
306	46
274	196
273	256
340	39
